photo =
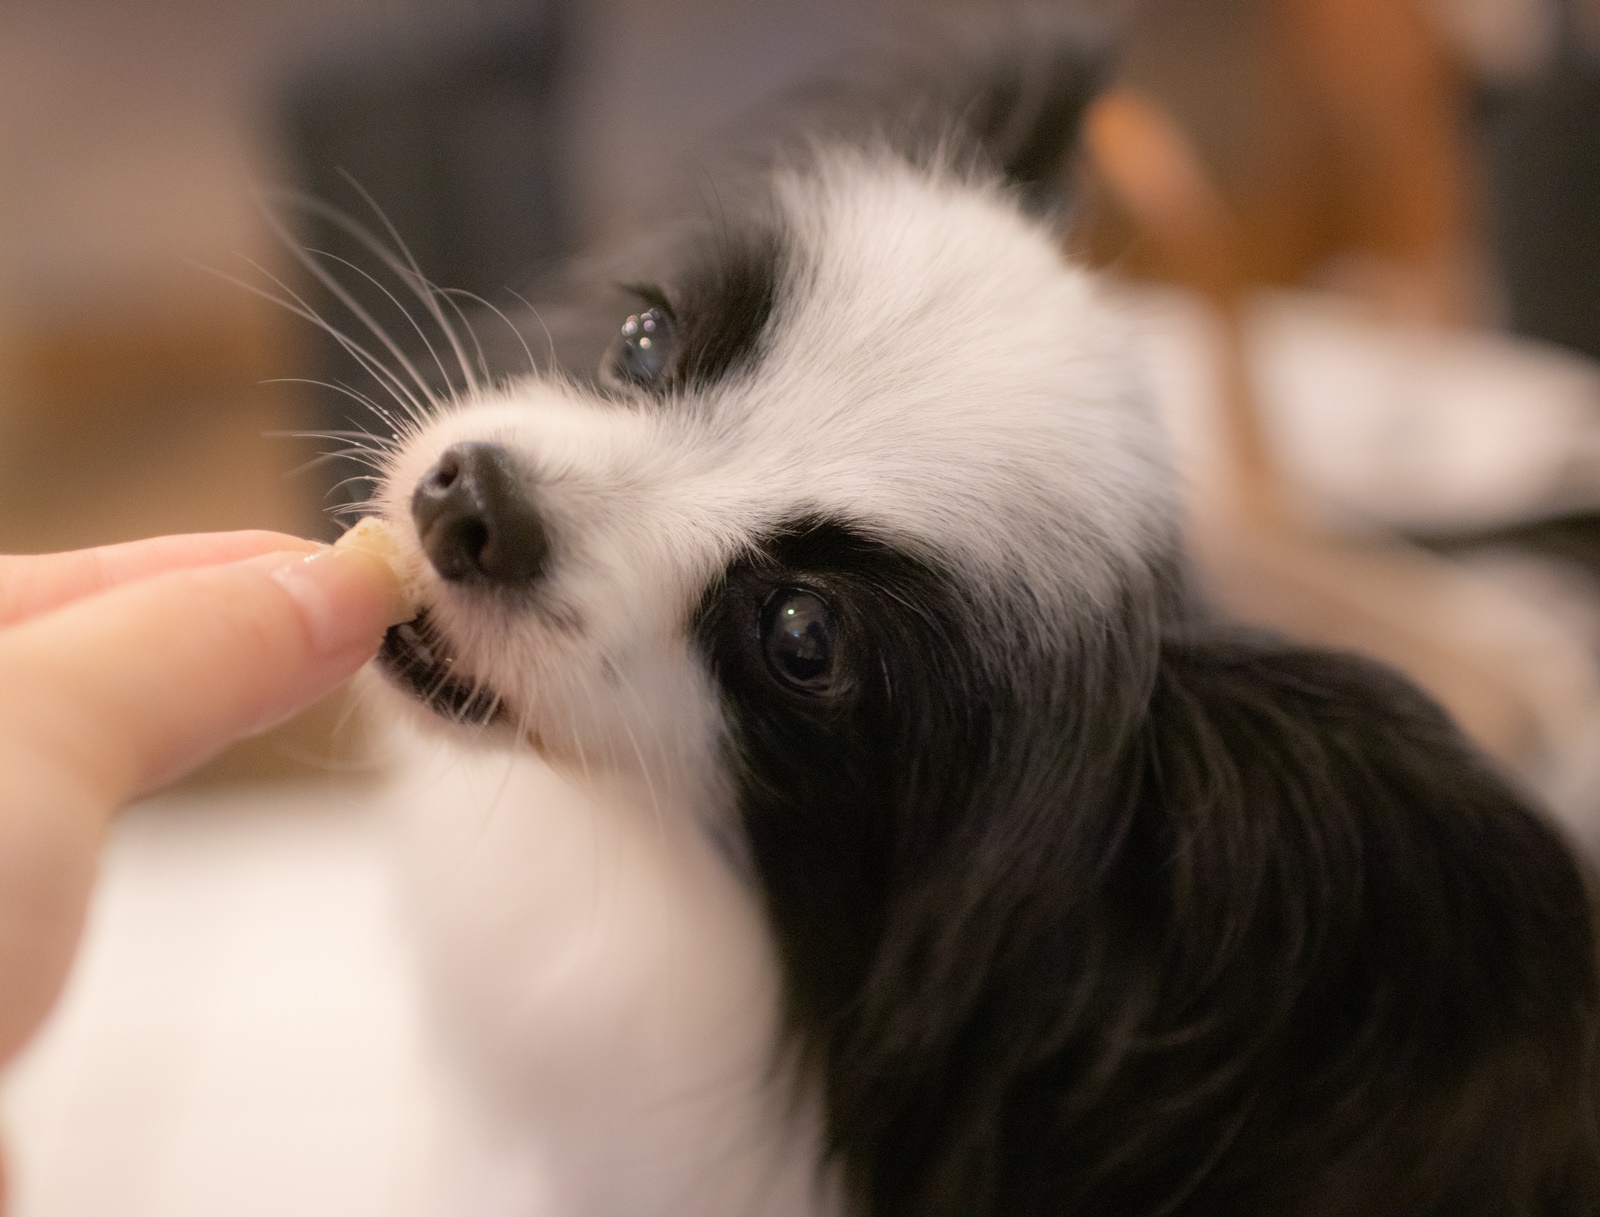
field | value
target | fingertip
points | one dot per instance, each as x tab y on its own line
126	690
346	599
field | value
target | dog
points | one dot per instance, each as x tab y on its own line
832	796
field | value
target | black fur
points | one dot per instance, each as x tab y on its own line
720	301
1167	921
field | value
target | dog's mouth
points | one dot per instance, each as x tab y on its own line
416	657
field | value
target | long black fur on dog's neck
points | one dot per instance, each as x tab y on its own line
1223	925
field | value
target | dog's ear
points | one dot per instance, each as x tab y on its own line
1020	94
1355	904
1002	97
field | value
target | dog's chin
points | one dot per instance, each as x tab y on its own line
416	659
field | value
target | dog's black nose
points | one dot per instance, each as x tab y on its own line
475	520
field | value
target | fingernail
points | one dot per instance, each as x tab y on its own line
341	594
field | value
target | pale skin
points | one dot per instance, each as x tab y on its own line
123	668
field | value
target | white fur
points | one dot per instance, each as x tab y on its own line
936	374
607	990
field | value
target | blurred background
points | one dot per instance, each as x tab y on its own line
1362	238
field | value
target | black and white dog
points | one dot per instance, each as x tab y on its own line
846	808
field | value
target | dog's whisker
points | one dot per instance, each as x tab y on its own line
400	431
406	271
309	261
325	458
378	459
374	443
339	292
403	428
663	747
592	822
292	303
448	295
399	307
356	480
645	773
451	293
486	821
364	506
549	338
410	272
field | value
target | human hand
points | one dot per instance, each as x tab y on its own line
122	668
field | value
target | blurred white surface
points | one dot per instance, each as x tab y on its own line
241	1035
1384	424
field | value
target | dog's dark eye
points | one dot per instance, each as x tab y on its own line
797	635
644	346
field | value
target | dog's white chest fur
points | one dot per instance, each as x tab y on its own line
611	992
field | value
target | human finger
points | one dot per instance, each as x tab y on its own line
35	583
129	688
115	694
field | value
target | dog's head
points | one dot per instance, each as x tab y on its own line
860	553
877	440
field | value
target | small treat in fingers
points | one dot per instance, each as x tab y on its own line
376	537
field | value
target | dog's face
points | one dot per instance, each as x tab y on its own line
879	434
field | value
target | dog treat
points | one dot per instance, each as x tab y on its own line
376	537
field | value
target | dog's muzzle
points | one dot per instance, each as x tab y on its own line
416	658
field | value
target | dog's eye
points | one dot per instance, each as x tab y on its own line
644	346
797	636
